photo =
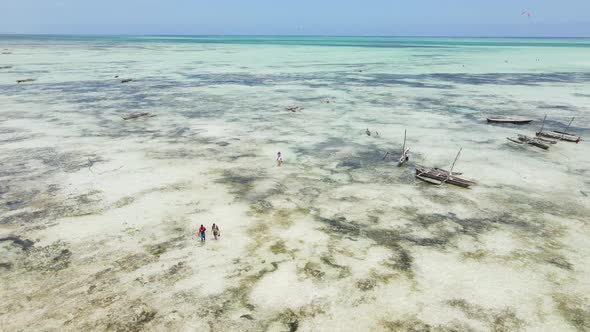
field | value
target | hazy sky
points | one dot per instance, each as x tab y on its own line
301	17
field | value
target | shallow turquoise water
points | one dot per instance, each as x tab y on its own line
392	42
334	239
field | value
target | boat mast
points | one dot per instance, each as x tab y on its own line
404	146
543	124
453	166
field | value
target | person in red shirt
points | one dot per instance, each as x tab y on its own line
202	231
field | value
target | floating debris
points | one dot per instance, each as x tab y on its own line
25	80
509	119
136	115
294	108
5	67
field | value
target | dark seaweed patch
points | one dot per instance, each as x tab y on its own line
162	247
17	241
504	320
6	266
342	226
51	258
353	164
312	270
241	182
343	271
131	319
133	262
261	206
575	310
366	284
407	325
560	261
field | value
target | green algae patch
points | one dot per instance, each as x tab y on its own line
51	258
476	255
503	320
132	319
313	271
133	262
278	248
343	271
161	248
123	202
366	284
575	310
409	325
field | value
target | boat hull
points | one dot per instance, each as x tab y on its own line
509	120
560	136
442	176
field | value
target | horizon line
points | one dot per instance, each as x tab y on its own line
288	35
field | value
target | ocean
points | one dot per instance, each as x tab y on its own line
98	215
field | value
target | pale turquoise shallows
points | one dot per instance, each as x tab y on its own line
98	215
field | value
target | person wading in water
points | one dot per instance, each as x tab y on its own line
215	231
202	231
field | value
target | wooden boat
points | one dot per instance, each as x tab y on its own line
126	80
523	139
509	119
560	135
138	115
440	176
25	80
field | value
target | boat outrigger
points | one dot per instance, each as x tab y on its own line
534	141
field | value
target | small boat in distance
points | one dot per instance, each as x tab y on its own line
509	119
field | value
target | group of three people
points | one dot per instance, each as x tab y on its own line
214	230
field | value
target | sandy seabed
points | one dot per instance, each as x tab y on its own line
98	216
